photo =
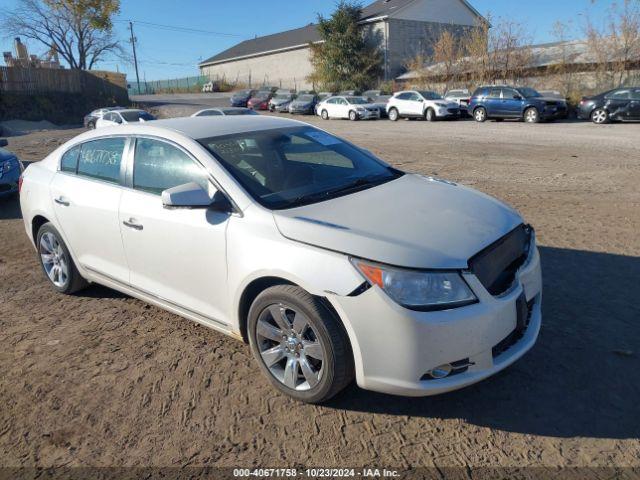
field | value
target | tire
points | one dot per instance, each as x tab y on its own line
480	114
91	125
48	240
394	116
600	116
430	115
353	116
322	334
324	114
531	115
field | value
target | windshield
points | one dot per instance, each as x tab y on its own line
528	92
283	96
262	94
289	167
305	98
431	96
136	116
357	100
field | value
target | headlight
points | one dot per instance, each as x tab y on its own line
418	290
8	165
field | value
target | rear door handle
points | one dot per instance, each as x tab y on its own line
62	201
131	223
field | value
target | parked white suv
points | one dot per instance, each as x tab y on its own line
353	108
329	262
421	104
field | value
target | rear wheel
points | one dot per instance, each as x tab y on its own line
324	114
393	115
480	114
91	125
600	116
299	344
531	115
56	261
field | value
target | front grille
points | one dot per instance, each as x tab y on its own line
496	265
516	335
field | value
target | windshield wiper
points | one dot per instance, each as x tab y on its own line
354	185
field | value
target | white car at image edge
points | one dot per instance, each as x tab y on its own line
330	263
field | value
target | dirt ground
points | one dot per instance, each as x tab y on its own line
101	379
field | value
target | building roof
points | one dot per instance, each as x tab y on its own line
300	37
574	52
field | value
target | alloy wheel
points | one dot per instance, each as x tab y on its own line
393	115
324	115
54	259
290	347
599	116
480	115
531	115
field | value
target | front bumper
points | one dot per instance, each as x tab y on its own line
302	110
9	182
368	114
448	112
395	347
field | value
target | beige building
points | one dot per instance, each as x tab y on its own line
400	28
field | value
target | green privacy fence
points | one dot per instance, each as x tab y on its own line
174	85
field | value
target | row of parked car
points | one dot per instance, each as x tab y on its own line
495	102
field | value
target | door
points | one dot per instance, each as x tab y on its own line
511	103
415	105
493	101
634	105
86	194
332	108
618	104
178	255
342	108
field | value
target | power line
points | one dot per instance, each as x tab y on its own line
176	28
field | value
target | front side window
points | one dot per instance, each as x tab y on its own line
101	159
159	166
509	94
69	161
635	95
288	167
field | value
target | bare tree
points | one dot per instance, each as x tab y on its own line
510	53
615	43
474	48
447	55
81	31
564	69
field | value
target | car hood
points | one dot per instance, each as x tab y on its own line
299	103
6	155
413	221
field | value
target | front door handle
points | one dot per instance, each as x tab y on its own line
62	201
131	223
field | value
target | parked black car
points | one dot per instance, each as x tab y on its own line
524	103
240	98
305	104
621	104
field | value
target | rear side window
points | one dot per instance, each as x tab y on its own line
494	93
635	95
69	161
480	92
101	159
210	113
619	95
159	166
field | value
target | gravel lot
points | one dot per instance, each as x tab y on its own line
101	379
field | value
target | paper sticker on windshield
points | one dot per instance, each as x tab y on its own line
323	138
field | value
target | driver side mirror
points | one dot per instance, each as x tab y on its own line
192	195
3	142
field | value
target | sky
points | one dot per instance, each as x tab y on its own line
165	53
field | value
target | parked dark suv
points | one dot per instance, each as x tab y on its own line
615	105
524	103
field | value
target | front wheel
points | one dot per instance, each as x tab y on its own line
600	116
394	115
430	115
353	116
480	114
56	261
531	115
299	344
324	114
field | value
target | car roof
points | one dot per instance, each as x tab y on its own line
127	110
204	127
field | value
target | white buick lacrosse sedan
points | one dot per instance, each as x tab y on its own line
330	263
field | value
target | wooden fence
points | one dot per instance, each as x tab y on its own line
31	81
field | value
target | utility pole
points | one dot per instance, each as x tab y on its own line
135	58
